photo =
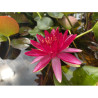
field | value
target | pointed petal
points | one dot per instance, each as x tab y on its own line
67	57
35	52
53	31
36	44
68	41
46	33
73	65
65	35
40	38
37	59
56	65
71	50
43	62
57	30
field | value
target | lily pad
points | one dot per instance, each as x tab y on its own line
8	26
95	29
2	38
56	14
20	43
86	75
45	23
35	31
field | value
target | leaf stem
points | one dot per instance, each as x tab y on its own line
8	47
39	15
84	33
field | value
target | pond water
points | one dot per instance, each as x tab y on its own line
23	70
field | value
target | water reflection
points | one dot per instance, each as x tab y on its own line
23	71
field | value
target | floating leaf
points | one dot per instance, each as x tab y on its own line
2	38
86	75
8	26
56	14
95	29
44	23
20	43
36	31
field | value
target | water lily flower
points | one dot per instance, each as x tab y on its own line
53	47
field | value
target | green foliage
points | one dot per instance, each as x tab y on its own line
95	16
20	43
86	75
95	29
45	23
35	31
2	38
56	14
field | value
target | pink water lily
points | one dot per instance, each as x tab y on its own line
53	47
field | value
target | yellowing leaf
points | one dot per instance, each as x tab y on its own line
8	26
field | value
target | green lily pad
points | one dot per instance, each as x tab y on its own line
45	23
35	31
56	14
95	29
86	75
2	38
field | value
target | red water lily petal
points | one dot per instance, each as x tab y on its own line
67	57
56	65
35	52
8	26
65	35
68	41
36	44
43	62
37	59
53	31
71	50
46	33
40	38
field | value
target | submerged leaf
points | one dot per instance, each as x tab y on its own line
35	31
56	14
65	23
8	26
20	43
44	23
